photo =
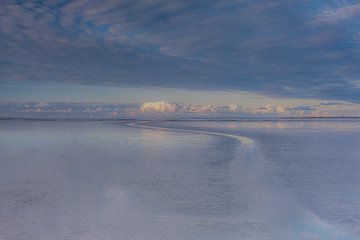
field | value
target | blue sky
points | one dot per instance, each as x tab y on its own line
245	52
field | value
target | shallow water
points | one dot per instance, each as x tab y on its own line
317	162
108	180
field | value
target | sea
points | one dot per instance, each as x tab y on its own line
184	179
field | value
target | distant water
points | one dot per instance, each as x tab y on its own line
109	180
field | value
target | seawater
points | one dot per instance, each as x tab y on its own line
203	180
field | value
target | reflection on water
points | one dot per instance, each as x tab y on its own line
325	124
94	180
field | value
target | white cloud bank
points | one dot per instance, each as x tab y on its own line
237	110
231	109
160	106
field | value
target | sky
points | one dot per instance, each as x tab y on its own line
280	54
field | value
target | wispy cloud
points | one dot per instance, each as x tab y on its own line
338	14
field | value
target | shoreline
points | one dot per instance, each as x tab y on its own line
248	142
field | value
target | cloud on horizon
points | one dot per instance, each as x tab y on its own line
162	109
160	106
303	49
